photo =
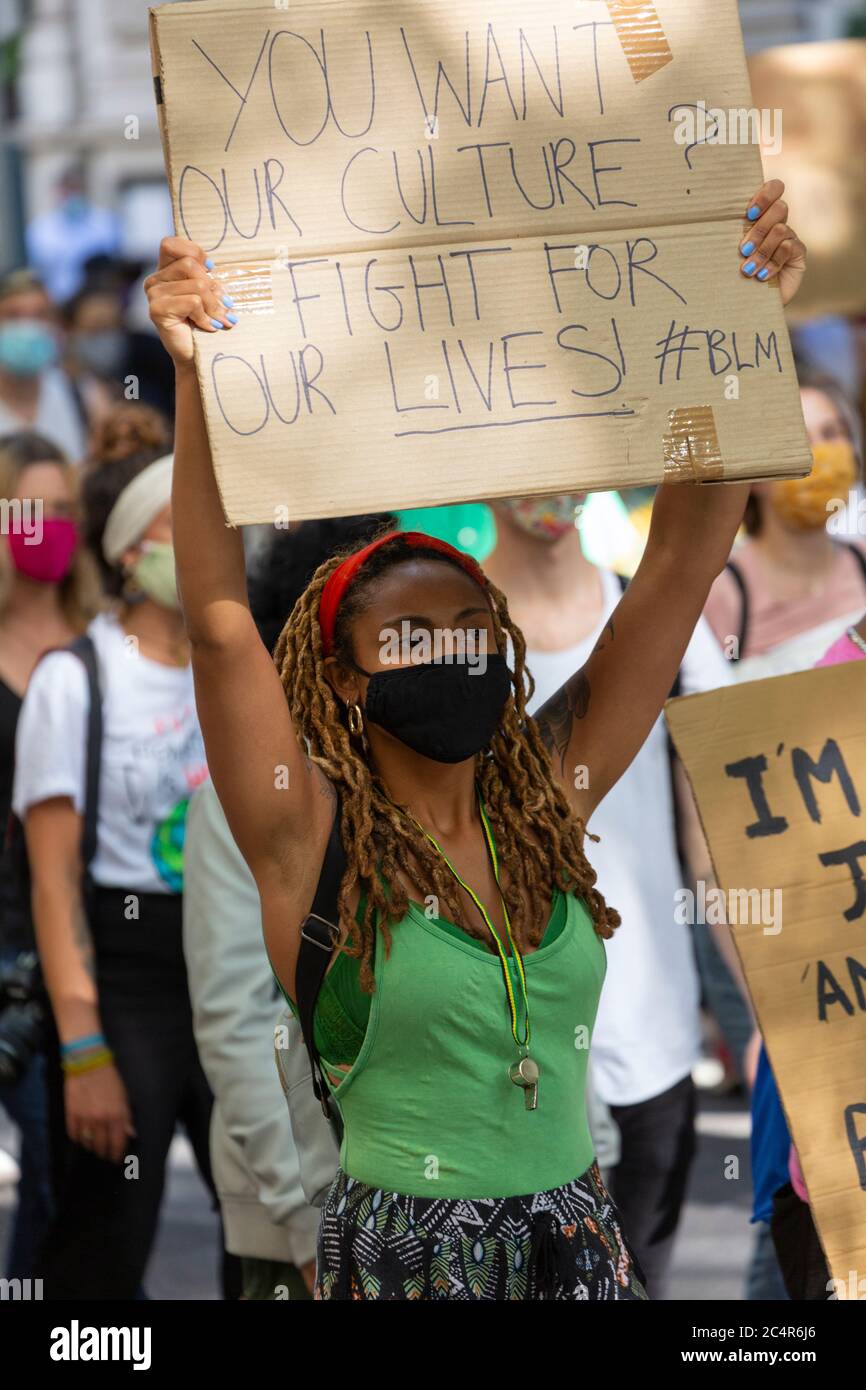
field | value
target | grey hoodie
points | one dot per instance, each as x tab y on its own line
235	1006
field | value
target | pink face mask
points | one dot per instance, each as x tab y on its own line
49	559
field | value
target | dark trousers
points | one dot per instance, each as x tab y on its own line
649	1182
106	1216
26	1104
798	1249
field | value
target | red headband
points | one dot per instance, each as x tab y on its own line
336	586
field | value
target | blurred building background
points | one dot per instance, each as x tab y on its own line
75	87
770	22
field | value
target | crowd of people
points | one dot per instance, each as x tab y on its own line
191	725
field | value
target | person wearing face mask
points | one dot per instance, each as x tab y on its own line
785	593
267	1220
48	592
102	356
468	958
647	1034
96	349
35	393
791	583
61	240
123	1068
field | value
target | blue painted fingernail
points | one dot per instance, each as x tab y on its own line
215	323
228	302
762	274
208	265
747	249
232	318
753	214
749	268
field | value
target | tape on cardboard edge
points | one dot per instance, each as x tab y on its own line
641	36
249	284
691	451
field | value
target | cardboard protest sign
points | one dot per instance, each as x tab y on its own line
778	768
473	252
816	148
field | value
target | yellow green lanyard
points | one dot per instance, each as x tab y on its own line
503	958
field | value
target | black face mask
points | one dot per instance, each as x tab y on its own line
446	712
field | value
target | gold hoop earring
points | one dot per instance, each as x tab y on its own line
131	591
356	719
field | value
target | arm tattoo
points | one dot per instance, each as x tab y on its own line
606	637
556	717
323	786
326	788
572	701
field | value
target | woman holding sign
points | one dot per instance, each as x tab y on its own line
454	1021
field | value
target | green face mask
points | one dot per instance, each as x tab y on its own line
154	573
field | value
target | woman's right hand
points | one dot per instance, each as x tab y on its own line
97	1113
183	295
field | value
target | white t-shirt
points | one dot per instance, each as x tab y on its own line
647	1034
152	756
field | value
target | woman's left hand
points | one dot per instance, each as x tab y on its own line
769	248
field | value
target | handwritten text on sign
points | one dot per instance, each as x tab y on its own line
778	768
468	256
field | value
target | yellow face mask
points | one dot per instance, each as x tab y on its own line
802	503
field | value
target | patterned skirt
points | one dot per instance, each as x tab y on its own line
565	1244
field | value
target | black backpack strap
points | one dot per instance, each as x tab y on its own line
676	688
83	648
15	846
737	575
318	940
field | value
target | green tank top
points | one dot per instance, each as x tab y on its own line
343	1007
428	1107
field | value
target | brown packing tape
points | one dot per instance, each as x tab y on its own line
643	39
249	285
159	90
691	450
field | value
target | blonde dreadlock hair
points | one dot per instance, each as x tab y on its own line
539	840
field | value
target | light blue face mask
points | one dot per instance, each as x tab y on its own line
27	347
74	207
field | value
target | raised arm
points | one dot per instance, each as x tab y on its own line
266	785
595	725
600	718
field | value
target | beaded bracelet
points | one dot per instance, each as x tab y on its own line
92	1040
103	1058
